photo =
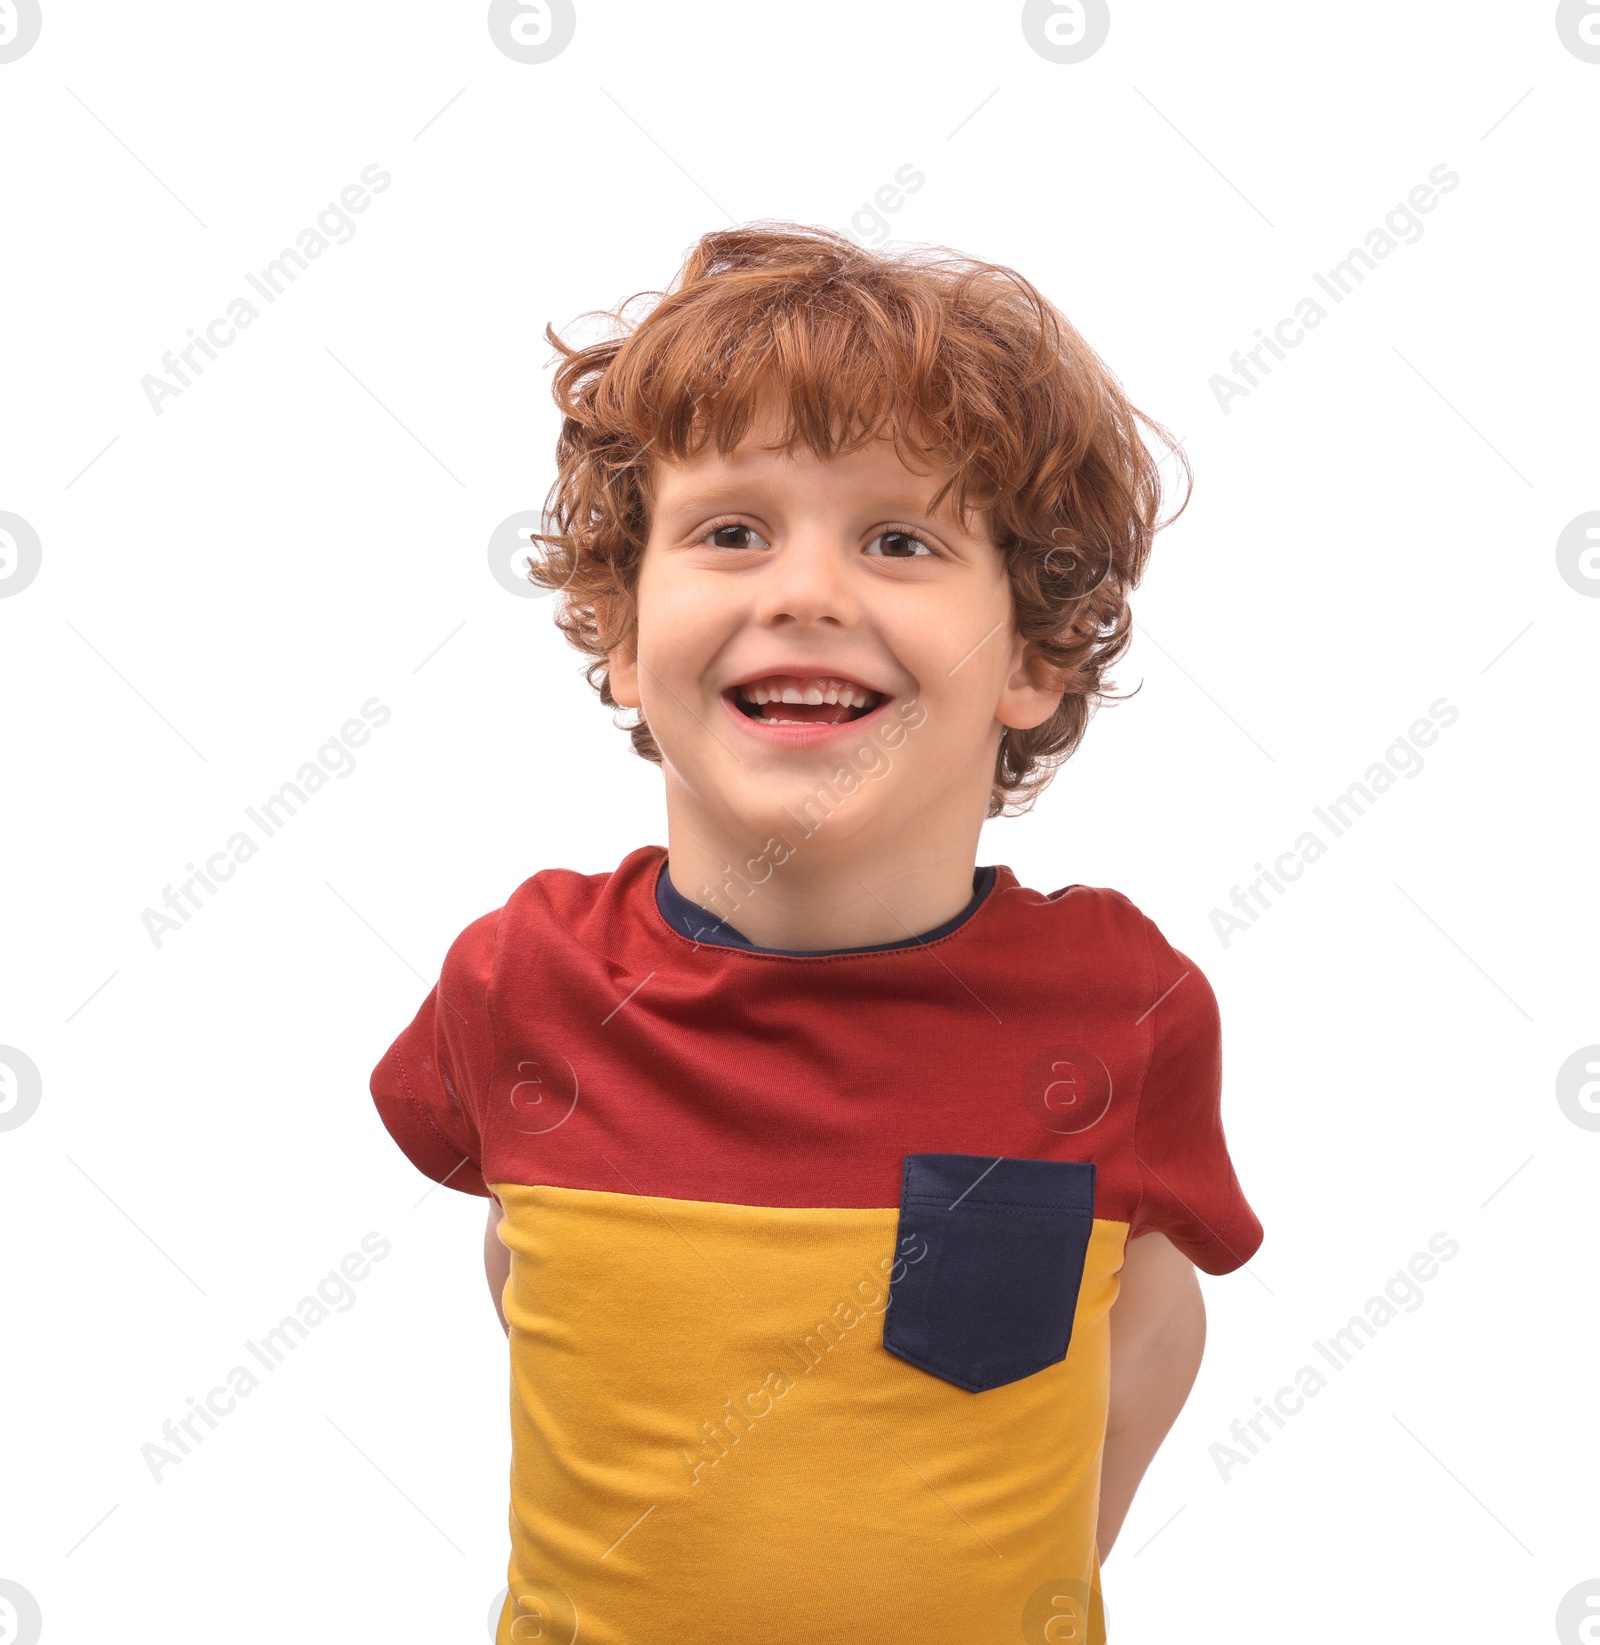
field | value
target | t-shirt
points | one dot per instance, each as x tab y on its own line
813	1255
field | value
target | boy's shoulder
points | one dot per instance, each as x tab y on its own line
593	910
1091	918
557	899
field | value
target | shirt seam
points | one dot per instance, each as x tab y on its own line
1144	1080
491	1014
1216	1236
419	1107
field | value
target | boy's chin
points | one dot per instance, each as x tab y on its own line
823	813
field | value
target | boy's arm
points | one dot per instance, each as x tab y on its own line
496	1261
1158	1331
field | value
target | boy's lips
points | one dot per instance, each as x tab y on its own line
800	708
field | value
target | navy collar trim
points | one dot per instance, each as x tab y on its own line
700	925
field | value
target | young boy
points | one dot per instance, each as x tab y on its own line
847	1195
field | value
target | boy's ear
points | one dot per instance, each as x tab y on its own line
1032	691
622	664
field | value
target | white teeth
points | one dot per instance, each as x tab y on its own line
779	689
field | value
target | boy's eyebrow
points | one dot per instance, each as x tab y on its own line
704	496
715	494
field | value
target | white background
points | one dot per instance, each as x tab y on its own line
305	528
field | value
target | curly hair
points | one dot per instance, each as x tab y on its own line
963	364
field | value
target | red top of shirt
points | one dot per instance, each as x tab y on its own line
575	1039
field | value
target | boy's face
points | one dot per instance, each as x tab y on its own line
811	641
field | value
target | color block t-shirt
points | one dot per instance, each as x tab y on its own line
813	1255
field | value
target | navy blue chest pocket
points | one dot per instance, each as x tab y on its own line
992	1254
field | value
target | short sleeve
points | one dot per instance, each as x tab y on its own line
1188	1190
432	1084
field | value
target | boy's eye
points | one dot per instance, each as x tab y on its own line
898	545
734	535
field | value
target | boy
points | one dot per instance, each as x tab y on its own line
847	1195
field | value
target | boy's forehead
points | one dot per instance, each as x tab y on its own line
759	458
892	470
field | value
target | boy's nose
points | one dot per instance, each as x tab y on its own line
808	581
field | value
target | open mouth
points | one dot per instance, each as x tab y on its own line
790	699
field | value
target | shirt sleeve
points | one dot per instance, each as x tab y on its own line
1188	1190
431	1087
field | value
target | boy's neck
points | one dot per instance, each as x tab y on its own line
802	897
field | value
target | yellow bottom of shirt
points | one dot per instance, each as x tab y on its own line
711	1444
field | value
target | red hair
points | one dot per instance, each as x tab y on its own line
963	364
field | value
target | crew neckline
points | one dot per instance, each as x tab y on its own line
690	919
